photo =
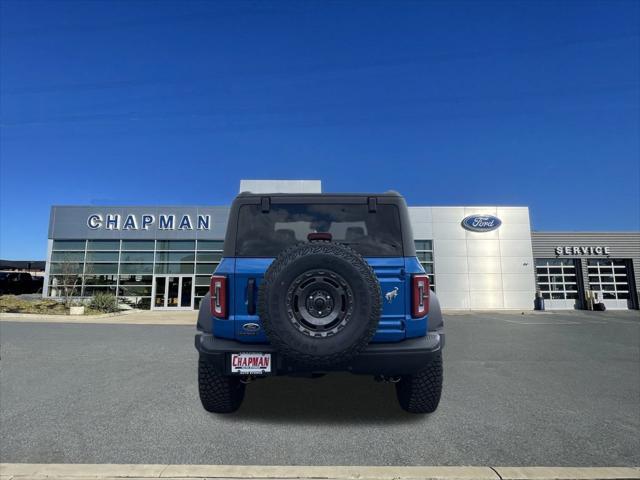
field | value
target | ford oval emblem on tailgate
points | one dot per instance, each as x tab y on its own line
251	327
481	223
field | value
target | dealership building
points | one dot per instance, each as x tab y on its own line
161	257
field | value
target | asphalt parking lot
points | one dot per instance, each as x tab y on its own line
534	389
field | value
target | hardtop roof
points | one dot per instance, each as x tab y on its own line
321	195
385	198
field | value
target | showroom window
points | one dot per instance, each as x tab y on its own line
208	256
66	267
126	268
101	267
424	252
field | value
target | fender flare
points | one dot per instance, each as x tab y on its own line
436	320
205	320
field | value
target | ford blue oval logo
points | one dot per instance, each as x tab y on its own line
481	223
251	327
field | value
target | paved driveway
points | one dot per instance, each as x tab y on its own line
534	389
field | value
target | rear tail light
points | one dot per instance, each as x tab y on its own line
218	291
420	295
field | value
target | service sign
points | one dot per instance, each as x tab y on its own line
583	250
481	223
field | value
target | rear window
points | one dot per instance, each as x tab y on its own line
265	234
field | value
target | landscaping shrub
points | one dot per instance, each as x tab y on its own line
13	304
104	302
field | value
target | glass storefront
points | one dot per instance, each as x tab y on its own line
172	273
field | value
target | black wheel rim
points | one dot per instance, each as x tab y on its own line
319	303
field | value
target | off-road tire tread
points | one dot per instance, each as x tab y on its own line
218	393
420	392
319	247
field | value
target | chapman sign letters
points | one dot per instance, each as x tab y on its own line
144	222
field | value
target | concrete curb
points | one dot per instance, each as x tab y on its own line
567	473
24	471
127	317
43	317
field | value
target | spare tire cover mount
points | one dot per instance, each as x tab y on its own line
319	303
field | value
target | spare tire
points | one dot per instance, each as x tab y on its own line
320	303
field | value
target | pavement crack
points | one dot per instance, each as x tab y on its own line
496	472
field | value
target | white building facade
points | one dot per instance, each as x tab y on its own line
479	270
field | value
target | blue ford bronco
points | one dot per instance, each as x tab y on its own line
317	283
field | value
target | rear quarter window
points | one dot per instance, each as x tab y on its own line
266	234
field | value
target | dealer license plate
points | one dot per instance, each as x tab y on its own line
251	363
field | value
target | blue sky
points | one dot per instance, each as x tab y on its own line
450	103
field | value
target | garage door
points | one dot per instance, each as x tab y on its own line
610	279
557	282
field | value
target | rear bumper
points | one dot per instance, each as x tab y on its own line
402	358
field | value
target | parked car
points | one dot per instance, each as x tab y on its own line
18	283
317	283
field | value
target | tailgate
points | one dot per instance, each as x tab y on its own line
391	275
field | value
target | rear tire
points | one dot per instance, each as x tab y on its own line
218	393
420	392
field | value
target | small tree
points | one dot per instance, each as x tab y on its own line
71	273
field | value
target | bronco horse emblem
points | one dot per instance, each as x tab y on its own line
390	295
